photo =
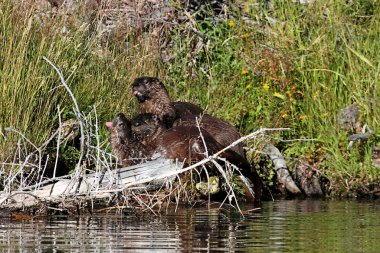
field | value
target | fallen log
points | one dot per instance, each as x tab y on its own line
95	184
283	175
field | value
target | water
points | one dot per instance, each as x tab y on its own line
281	226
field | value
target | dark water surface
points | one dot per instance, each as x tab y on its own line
281	226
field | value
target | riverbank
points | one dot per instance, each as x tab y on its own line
282	65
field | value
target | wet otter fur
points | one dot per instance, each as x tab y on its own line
153	98
180	142
146	127
184	142
221	131
124	145
186	109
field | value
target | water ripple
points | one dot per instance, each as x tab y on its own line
281	226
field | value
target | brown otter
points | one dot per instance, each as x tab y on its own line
184	142
153	98
124	146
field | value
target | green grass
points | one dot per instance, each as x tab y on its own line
297	72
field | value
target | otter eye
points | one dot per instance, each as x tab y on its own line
136	123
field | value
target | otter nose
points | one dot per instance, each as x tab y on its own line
108	124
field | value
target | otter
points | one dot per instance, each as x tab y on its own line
184	142
127	149
153	97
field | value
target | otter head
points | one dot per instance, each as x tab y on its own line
144	87
146	126
120	128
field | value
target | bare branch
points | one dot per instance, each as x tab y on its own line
76	110
58	140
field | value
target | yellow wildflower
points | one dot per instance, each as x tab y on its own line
303	117
245	35
285	115
315	95
231	23
266	86
249	86
245	71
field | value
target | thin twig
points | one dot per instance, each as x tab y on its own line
58	140
77	113
198	121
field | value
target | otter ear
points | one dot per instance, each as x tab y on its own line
120	115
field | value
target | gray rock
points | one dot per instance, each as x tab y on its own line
349	118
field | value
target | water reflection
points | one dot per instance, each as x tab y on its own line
281	226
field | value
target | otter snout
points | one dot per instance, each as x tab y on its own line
137	93
109	124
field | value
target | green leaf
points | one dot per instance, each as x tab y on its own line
361	57
278	95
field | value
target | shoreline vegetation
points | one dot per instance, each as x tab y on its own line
313	68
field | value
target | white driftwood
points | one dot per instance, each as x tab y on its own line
96	185
281	169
